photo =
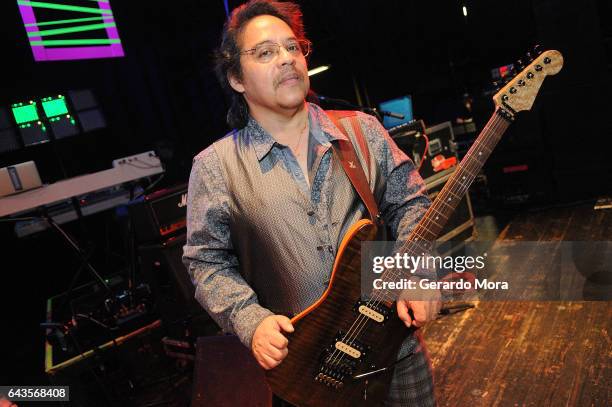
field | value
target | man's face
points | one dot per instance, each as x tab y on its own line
279	85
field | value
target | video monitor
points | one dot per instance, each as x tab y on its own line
401	106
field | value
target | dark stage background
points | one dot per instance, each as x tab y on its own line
162	95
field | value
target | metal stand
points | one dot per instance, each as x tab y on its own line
80	254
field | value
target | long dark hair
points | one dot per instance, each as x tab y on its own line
227	56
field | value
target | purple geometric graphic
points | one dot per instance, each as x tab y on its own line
56	53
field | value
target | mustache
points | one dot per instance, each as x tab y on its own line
288	74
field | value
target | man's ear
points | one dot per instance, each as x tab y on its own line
235	83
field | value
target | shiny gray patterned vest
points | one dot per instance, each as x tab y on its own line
284	241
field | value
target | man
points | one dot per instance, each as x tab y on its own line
268	204
4	402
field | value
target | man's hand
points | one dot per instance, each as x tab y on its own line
269	345
423	311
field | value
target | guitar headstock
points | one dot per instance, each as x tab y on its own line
520	92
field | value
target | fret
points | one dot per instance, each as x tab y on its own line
389	296
410	246
434	209
420	236
463	182
427	218
459	187
485	147
465	168
430	219
450	191
445	203
425	229
382	295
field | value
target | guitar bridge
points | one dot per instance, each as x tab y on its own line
338	361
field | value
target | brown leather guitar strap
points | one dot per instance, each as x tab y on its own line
345	153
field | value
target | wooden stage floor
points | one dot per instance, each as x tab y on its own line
510	353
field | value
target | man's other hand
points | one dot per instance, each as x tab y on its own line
423	311
269	345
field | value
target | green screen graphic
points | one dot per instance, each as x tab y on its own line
24	113
54	106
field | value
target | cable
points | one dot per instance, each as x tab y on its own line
92	368
424	151
147	189
146	165
103	325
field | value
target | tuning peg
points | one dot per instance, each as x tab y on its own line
529	56
520	65
537	49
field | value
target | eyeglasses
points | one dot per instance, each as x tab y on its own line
268	51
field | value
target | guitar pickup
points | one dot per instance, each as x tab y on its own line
350	347
375	311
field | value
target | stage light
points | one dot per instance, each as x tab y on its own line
464	11
318	69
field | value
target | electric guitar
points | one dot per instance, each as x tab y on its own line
343	349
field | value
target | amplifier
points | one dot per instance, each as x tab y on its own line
409	138
441	149
160	214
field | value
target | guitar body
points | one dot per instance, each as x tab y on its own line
317	327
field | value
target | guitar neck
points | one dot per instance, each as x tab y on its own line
430	227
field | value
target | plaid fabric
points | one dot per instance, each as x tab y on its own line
412	383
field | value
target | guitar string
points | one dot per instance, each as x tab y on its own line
496	123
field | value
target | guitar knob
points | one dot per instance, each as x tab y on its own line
513	90
547	60
529	75
537	49
521	82
520	64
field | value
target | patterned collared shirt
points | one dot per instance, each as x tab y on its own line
231	288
